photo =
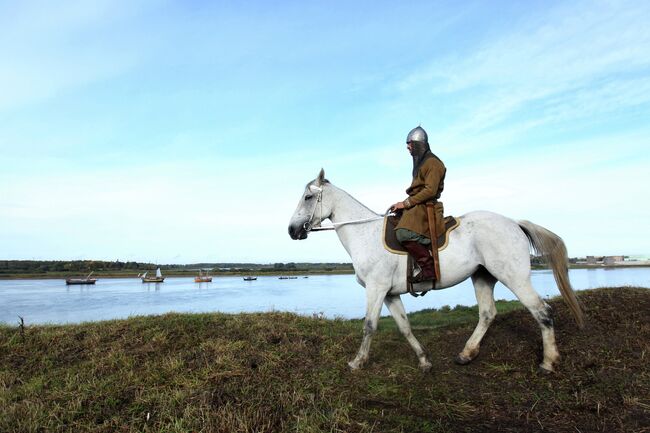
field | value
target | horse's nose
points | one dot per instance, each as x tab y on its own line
293	231
297	232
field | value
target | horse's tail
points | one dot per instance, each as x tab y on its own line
551	247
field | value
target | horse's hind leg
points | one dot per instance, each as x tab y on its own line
484	288
543	314
396	308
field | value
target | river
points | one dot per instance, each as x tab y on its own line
51	301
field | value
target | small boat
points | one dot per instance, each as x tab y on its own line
157	279
87	280
287	278
201	278
249	278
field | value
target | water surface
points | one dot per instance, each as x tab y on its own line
51	301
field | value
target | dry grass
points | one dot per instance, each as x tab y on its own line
280	372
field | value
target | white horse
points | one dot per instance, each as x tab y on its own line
486	247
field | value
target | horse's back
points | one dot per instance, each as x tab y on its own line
496	240
486	217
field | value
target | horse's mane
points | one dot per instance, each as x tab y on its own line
351	196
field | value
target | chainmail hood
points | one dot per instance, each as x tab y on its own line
420	147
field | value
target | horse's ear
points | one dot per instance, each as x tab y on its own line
321	177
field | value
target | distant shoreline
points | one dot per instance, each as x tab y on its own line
171	274
190	274
600	266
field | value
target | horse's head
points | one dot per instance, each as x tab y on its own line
312	208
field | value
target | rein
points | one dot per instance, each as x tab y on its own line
319	201
335	225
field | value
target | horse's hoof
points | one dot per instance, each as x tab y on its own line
425	367
545	369
462	360
354	366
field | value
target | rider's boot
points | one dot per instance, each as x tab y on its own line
422	257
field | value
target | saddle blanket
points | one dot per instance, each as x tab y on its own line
392	244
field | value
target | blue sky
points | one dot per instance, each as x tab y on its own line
179	132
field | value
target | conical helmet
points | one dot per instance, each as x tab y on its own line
419	147
418	134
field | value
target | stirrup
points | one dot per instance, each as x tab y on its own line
415	279
418	279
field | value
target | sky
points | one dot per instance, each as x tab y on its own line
185	131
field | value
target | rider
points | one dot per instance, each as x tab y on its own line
427	185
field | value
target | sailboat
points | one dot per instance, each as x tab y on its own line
157	279
86	280
201	278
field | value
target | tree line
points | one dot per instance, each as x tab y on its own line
44	266
16	267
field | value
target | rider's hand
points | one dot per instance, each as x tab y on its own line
397	206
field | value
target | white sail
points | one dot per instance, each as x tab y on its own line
158	273
144	275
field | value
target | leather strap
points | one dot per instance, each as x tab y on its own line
431	216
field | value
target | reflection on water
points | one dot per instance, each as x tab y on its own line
592	278
51	301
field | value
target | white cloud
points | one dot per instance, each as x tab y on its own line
576	61
186	211
562	49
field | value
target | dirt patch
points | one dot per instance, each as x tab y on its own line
601	384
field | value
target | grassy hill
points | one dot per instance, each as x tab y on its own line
281	372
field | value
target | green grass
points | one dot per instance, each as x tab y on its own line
432	318
279	372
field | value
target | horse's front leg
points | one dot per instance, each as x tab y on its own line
374	299
396	308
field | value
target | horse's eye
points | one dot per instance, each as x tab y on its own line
308	197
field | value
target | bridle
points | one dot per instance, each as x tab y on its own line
309	227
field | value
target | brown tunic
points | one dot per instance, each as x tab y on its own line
426	186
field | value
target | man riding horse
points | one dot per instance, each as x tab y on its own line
427	185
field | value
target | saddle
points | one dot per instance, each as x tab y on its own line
441	240
392	244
